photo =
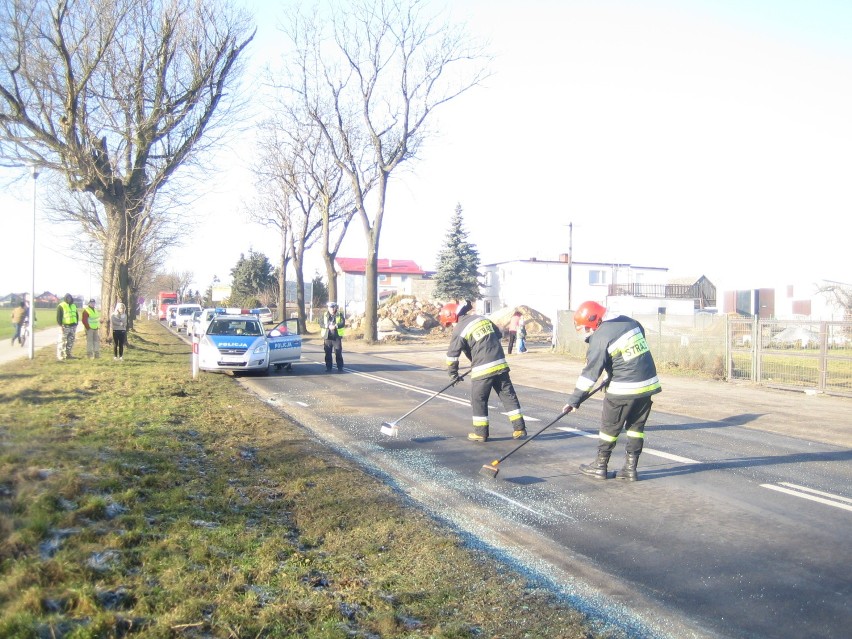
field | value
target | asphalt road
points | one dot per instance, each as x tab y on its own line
730	532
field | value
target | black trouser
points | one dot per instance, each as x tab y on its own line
627	413
335	345
513	335
119	339
480	390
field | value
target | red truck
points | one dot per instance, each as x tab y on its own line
164	299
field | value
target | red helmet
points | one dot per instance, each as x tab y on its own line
589	316
449	314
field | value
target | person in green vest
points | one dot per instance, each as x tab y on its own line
333	326
92	322
67	318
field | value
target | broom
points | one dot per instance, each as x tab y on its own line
491	470
389	428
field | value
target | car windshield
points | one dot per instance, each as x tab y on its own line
186	311
234	327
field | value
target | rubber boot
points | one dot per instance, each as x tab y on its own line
597	468
628	472
479	434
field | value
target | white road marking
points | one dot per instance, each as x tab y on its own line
816	492
302	404
649	451
514	503
796	493
416	389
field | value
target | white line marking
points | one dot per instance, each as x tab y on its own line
515	503
650	451
569	429
816	492
677	458
827	502
416	389
302	404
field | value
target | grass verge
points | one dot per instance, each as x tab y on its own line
137	501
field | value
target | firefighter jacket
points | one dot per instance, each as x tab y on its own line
333	326
619	349
479	339
66	314
91	318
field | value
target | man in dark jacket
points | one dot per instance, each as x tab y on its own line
479	339
333	326
618	348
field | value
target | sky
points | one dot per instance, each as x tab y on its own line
709	137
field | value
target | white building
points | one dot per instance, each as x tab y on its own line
551	286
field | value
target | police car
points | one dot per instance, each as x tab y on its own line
239	343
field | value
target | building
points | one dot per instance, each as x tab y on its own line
395	277
550	286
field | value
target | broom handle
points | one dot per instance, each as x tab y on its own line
544	428
431	397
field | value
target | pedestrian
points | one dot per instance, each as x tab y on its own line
333	327
118	326
522	335
92	322
19	314
67	318
512	329
618	348
480	340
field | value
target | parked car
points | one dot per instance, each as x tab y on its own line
200	321
171	315
183	314
264	313
239	343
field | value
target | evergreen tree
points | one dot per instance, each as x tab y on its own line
458	264
252	277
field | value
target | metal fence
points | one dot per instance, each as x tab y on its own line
799	355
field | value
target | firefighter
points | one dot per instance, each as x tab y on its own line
479	339
67	318
333	327
617	348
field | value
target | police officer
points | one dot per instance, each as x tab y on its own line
618	348
479	339
67	318
333	327
92	322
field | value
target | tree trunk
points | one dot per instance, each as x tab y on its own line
328	258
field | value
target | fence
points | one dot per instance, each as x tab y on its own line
797	355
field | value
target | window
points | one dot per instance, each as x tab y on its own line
383	277
597	277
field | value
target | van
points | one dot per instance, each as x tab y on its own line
183	314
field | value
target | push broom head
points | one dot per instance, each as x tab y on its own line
390	429
490	470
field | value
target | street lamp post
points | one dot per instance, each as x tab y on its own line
32	281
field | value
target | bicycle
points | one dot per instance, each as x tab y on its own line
25	333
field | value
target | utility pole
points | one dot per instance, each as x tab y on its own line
570	260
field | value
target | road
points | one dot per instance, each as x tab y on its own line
730	532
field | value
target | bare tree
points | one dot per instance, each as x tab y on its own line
116	95
289	165
839	295
148	242
370	79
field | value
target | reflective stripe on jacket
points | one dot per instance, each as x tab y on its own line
619	349
479	339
